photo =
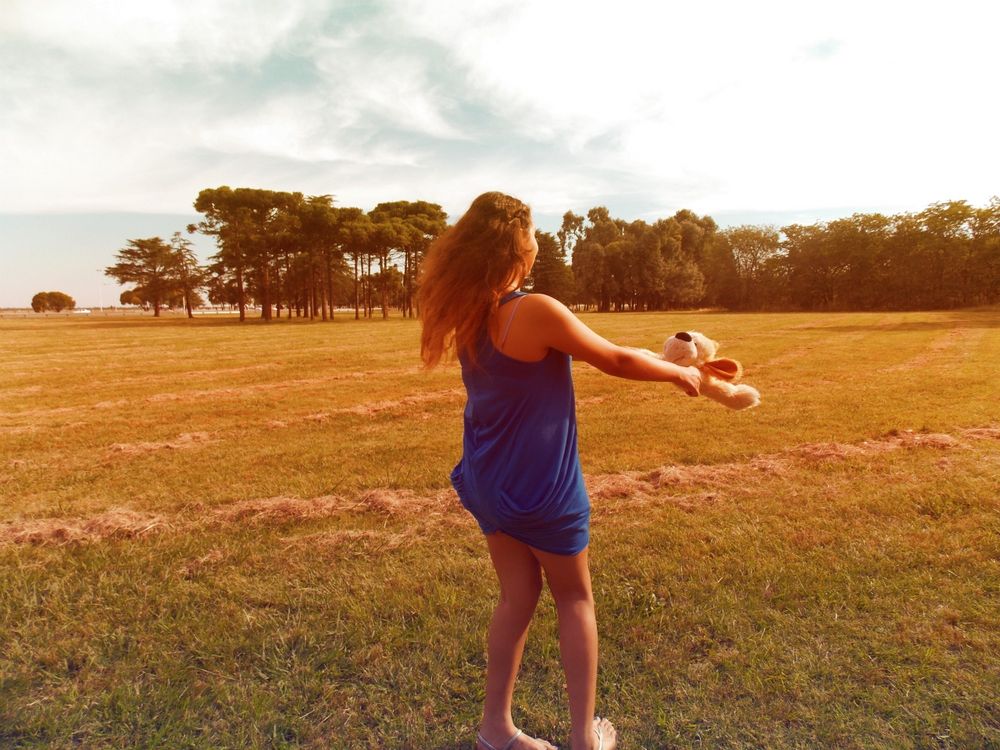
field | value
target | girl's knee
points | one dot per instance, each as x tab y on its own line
574	598
524	593
570	586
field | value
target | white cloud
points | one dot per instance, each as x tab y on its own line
721	106
393	86
170	34
749	105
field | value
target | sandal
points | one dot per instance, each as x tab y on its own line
511	741
600	737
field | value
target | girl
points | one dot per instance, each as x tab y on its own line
520	472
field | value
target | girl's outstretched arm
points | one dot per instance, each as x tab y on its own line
551	325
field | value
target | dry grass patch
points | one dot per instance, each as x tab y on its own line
202	563
112	524
894	440
113	404
374	407
716	475
278	509
226	392
353	541
606	486
371	408
982	433
28	390
18	429
182	442
431	510
624	490
639	487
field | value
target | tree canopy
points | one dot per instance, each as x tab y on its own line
150	264
287	250
551	274
621	265
52	301
946	256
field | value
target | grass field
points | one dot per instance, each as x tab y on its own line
214	535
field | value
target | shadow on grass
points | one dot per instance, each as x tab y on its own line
975	320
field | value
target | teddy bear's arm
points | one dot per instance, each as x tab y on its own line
734	396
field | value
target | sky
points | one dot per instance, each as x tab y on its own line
114	115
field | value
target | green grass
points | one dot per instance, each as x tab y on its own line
774	598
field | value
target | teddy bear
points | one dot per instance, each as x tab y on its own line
719	375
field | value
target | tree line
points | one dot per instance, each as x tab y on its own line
946	256
287	252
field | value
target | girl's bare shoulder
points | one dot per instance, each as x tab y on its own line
543	303
543	309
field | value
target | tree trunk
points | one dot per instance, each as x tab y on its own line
384	290
356	298
277	288
414	305
313	307
321	293
241	293
265	291
307	297
406	283
369	307
329	283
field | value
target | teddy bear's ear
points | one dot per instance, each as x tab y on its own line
724	369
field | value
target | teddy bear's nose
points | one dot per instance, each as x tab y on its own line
683	336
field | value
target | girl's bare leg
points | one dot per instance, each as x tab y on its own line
520	584
569	580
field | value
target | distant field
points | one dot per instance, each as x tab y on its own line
214	535
26	313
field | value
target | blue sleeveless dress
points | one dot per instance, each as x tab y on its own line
520	469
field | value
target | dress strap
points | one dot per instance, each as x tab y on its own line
513	312
509	296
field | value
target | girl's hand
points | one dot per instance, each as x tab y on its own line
689	380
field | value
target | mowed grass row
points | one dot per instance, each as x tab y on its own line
292	408
824	600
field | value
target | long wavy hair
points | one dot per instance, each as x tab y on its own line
466	272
